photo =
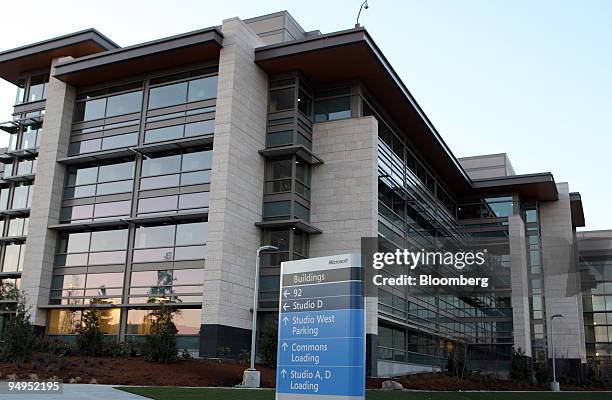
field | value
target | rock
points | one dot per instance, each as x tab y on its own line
33	377
11	377
392	385
93	381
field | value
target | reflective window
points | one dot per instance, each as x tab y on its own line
182	92
276	209
168	95
179	131
22	196
279	138
332	109
68	322
18	226
38	87
498	207
170	242
109	210
13	257
92	248
99	180
187	321
202	89
111	106
126	103
20	95
31	136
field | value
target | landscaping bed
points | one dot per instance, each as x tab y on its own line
135	371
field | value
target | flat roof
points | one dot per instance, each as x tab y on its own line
540	186
186	48
37	56
352	54
576	209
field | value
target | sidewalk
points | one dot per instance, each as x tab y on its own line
79	392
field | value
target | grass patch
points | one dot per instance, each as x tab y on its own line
173	393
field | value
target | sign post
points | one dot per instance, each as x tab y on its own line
321	329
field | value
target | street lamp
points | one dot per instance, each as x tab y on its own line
554	385
251	376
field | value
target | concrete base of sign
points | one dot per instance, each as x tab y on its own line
251	378
554	387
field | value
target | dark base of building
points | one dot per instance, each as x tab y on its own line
221	340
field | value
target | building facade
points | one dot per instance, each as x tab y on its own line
150	174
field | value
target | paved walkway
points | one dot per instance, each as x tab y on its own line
80	392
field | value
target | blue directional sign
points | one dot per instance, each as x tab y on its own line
321	330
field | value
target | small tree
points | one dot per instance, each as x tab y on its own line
160	343
90	339
519	370
19	337
268	343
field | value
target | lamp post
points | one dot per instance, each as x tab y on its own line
251	376
554	385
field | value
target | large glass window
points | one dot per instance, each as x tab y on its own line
99	180
183	92
20	95
495	207
332	109
38	87
92	248
90	288
281	100
13	257
18	226
31	136
278	175
68	322
176	170
186	321
22	195
173	132
170	242
111	106
98	211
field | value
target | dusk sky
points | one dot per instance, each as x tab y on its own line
532	79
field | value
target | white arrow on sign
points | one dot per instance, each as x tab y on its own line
283	373
286	293
285	320
285	345
285	306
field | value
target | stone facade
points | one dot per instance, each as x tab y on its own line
237	184
47	197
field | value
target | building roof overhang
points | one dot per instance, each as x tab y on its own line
38	56
576	210
353	55
541	186
187	48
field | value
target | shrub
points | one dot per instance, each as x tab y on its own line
268	343
160	343
19	338
89	339
119	350
519	370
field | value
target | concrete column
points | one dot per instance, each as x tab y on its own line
47	197
236	193
520	285
562	277
344	200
